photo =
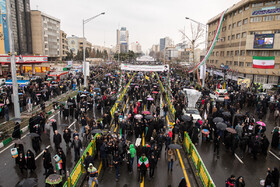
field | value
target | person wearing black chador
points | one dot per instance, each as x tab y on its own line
21	162
30	161
47	161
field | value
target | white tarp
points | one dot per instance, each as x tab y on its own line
129	67
145	59
193	96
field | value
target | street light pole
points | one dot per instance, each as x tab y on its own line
84	48
13	62
203	80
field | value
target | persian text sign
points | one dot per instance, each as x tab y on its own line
24	59
129	67
265	12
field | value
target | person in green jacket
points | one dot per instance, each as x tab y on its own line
132	153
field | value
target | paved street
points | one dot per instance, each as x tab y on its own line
8	167
252	170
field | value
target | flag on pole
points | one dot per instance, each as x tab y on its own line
147	77
58	166
135	110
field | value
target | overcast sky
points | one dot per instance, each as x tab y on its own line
146	20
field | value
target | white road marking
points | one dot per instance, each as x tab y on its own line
72	124
41	153
26	134
10	145
238	158
274	155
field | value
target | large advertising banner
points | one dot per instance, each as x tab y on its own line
4	21
2	44
264	41
129	67
24	59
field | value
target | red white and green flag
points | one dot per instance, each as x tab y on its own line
264	62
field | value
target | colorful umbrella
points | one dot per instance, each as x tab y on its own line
146	112
54	179
138	116
205	131
154	92
53	120
150	99
1	104
29	182
261	123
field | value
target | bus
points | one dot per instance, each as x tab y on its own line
57	76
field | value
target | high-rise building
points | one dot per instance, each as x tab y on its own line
45	35
165	42
135	47
155	48
21	27
122	40
63	45
249	40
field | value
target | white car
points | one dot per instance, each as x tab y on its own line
195	113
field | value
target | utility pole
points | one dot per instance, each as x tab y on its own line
13	62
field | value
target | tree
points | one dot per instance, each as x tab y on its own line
195	39
70	55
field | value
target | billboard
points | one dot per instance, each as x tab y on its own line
4	33
266	11
123	37
129	67
24	59
264	41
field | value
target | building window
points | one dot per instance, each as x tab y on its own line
210	33
261	79
245	21
273	79
224	29
223	39
216	61
235	63
235	13
240	10
231	53
249	64
217	53
233	25
241	64
239	23
227	62
233	37
229	27
270	2
228	37
277	17
236	53
268	18
222	53
238	36
242	52
257	4
247	7
277	66
230	62
264	53
244	34
256	19
228	53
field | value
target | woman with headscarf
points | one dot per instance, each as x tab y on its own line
30	161
16	133
47	161
63	158
21	162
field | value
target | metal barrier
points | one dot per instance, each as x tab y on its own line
79	168
120	97
170	105
198	163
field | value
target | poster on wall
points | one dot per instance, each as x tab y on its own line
264	41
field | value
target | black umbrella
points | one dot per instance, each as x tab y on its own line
149	117
64	125
218	119
33	135
45	90
19	141
29	182
238	115
95	131
221	126
186	118
226	114
175	146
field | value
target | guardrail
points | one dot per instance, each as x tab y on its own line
206	179
120	98
170	105
79	168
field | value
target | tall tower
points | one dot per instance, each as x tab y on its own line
122	40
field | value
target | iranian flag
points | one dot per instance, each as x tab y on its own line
263	62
